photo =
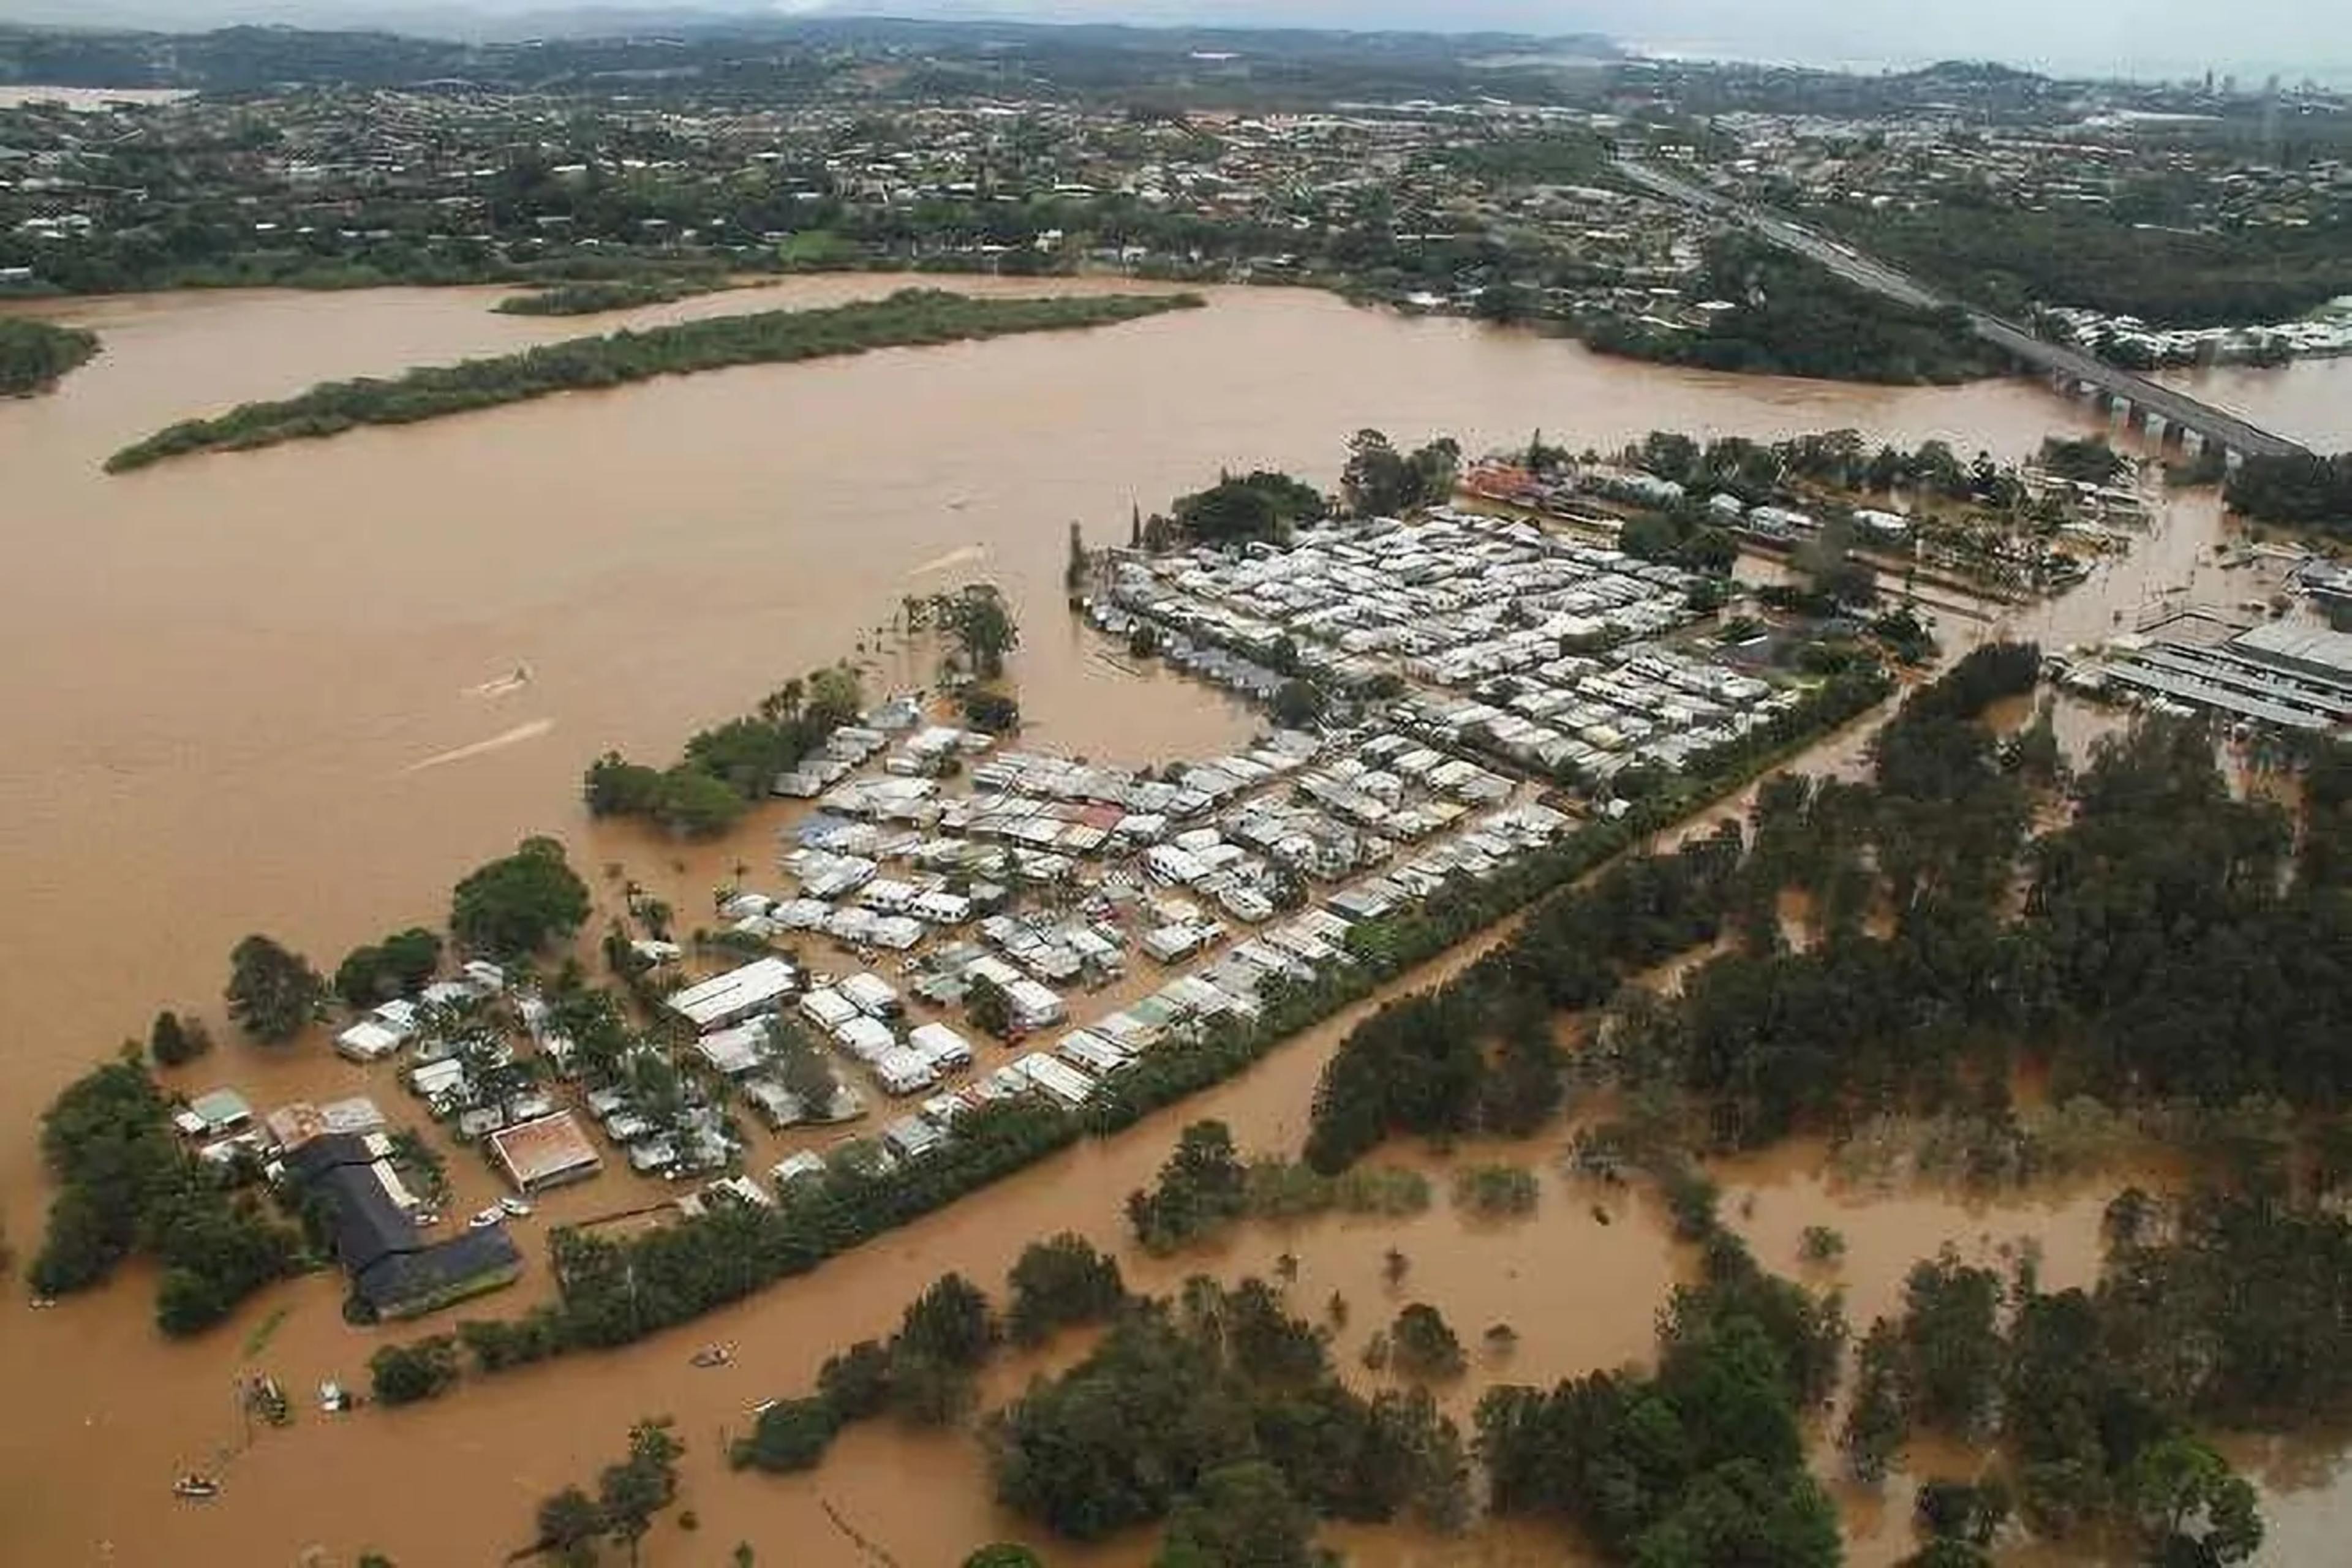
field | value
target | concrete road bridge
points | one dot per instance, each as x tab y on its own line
2168	417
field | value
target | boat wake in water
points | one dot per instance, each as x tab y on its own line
964	557
513	681
498	742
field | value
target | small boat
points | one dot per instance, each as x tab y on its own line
196	1486
713	1355
333	1399
515	1207
487	1219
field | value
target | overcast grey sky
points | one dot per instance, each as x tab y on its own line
2123	37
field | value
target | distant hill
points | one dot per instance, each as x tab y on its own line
579	47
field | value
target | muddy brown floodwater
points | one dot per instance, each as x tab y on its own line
2309	400
263	691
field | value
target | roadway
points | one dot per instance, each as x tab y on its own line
2178	411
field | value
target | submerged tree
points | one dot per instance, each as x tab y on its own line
273	993
513	906
2189	1507
982	625
631	1493
1240	1514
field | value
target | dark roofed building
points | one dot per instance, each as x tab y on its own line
393	1267
404	1284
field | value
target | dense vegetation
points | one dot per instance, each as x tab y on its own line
1701	1462
1257	507
925	1374
2215	1311
1790	317
2089	459
2171	947
34	354
1381	481
399	965
273	993
126	1186
1841	461
597	296
910	317
175	1039
1478	1055
1200	1188
2010	261
628	1496
1183	1391
2304	489
516	905
726	769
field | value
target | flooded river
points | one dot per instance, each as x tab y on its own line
2309	400
267	691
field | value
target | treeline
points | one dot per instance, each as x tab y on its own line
1759	471
1701	1461
1477	1054
612	1292
2174	943
1205	1187
2089	459
1766	1040
2213	1311
907	318
2302	489
589	299
1221	1413
628	1496
1268	507
34	354
926	1372
126	1186
2011	261
1790	317
1262	506
728	768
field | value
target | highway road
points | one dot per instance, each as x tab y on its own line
2178	411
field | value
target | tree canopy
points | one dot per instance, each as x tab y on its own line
981	624
727	768
1181	1391
2302	489
399	965
1381	481
126	1186
273	993
514	907
1258	507
1702	1463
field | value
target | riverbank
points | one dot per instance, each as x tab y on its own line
911	318
36	354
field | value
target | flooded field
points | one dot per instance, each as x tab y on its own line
278	692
